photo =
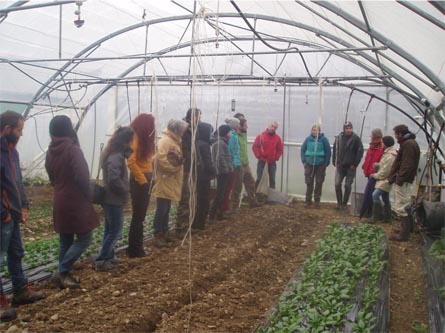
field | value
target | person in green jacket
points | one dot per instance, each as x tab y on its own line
244	175
315	156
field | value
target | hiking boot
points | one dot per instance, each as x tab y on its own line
105	265
317	204
307	204
376	212
6	313
68	281
387	214
55	279
254	204
26	296
159	241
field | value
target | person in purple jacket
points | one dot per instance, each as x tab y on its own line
73	213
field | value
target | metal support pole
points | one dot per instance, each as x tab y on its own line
284	121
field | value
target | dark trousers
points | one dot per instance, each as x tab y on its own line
314	173
203	203
183	209
221	184
140	198
160	222
272	171
347	174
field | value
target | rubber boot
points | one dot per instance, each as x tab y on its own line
339	196
376	212
387	214
404	230
6	313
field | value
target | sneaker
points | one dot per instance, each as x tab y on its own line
105	265
68	281
6	313
26	296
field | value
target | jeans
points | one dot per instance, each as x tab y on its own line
160	222
140	198
377	193
272	171
114	222
71	249
11	244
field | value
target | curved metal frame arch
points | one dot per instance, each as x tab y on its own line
189	17
391	44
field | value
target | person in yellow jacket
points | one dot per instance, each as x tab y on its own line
140	164
168	177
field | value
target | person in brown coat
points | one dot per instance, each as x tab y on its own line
73	213
403	173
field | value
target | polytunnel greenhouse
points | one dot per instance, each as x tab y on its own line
255	252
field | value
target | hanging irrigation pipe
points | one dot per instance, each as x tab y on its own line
349	103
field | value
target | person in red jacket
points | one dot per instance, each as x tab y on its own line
268	148
373	156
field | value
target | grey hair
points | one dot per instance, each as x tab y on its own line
177	126
377	132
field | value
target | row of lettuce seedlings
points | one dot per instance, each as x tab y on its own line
44	252
342	287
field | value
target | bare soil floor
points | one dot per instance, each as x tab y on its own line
238	268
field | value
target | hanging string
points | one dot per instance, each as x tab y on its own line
128	101
139	98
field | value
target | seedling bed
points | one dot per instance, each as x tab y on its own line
342	287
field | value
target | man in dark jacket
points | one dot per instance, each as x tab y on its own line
346	156
192	117
403	172
14	210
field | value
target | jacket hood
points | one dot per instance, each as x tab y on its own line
59	144
204	132
172	135
408	136
391	150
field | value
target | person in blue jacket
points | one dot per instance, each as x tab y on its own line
315	156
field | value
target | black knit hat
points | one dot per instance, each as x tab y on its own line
223	130
61	126
388	141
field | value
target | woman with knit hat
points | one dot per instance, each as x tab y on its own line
73	213
382	186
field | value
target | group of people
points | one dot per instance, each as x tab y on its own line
179	168
384	165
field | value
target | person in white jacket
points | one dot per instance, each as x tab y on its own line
382	186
